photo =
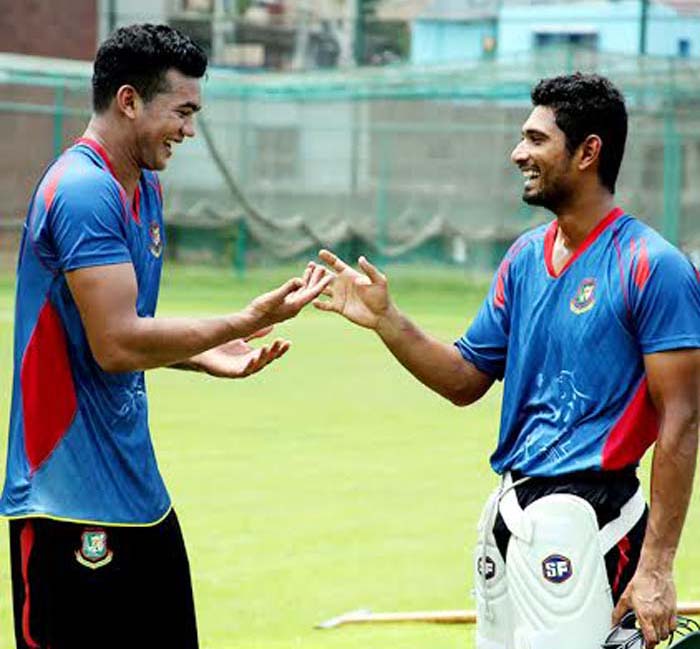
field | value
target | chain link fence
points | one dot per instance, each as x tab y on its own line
400	163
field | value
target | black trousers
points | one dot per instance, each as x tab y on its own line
81	586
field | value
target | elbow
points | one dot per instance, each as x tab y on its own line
460	398
113	358
114	364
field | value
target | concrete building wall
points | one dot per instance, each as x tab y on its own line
616	24
441	41
55	28
667	29
610	27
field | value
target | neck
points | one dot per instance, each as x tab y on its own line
118	149
577	220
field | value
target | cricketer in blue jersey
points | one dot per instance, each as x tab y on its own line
91	519
593	324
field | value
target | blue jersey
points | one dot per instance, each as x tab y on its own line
79	443
570	345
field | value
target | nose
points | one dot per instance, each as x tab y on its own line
519	154
188	127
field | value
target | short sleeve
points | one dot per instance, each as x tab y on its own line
665	300
485	343
88	225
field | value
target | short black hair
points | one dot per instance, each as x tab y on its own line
140	55
588	104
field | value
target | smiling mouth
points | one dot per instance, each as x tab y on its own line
169	144
530	176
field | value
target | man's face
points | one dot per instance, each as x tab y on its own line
544	160
167	119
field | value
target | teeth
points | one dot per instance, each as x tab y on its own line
530	174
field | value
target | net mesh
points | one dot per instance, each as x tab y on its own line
399	163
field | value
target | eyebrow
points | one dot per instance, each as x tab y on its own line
191	105
533	131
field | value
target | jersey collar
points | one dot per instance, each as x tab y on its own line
551	235
134	207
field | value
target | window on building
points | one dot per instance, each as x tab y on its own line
684	47
197	5
546	39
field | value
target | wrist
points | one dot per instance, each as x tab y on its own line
194	363
658	562
248	321
388	325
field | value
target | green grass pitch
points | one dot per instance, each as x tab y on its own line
330	482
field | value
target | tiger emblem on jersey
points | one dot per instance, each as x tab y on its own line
584	300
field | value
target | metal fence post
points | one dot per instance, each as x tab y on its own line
59	108
382	197
241	247
672	174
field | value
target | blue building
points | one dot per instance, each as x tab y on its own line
453	30
448	31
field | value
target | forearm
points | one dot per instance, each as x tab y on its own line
146	343
189	365
673	468
436	364
122	341
194	363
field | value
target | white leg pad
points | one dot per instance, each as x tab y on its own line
557	583
493	626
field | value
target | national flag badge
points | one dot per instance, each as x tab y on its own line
156	246
584	300
94	551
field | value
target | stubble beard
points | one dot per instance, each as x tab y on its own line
551	198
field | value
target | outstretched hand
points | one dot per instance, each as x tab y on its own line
286	301
237	359
361	297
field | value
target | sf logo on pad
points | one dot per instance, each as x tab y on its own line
556	568
487	567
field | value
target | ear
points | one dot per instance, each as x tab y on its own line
128	101
589	152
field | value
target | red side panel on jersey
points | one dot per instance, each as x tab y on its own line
49	401
633	433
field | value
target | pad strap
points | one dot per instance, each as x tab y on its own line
608	537
630	513
512	512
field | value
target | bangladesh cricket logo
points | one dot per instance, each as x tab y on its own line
584	300
156	246
94	551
